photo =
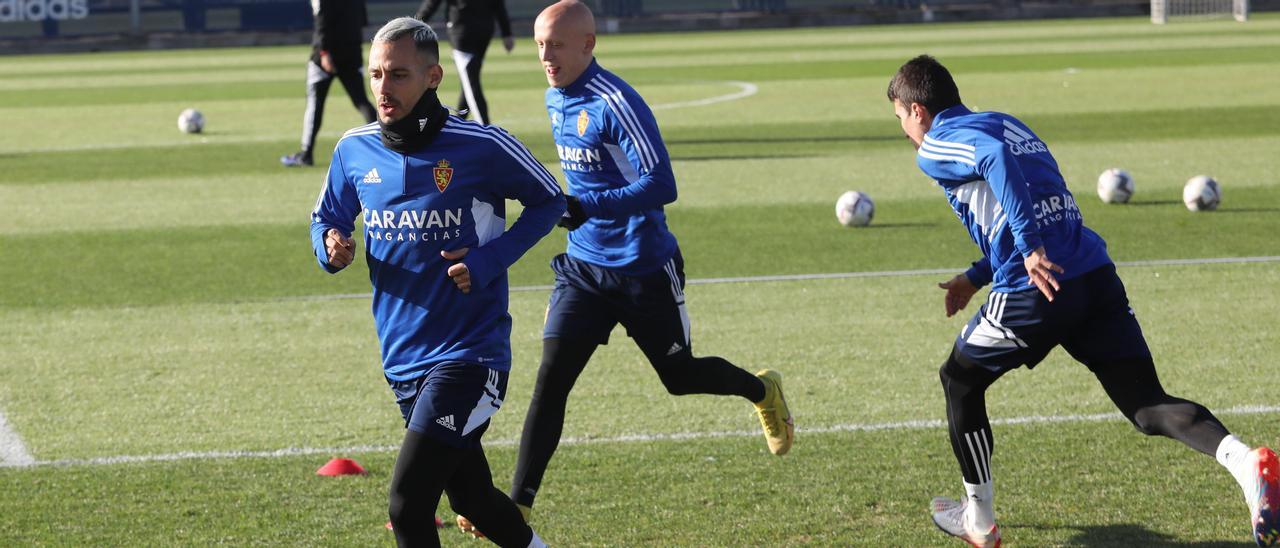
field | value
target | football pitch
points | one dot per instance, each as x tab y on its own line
174	366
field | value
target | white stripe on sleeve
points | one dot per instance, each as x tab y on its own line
626	116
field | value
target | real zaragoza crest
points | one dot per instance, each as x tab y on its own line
583	121
443	174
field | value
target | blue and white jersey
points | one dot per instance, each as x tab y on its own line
1005	186
617	166
448	196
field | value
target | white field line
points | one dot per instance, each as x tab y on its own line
917	424
844	275
12	451
172	143
745	89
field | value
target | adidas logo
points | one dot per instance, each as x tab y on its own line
447	422
372	176
1020	142
675	347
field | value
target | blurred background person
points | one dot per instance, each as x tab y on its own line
470	31
335	53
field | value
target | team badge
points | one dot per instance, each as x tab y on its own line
443	174
583	121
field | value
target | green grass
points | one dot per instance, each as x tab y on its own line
158	296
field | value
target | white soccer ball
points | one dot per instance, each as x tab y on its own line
191	121
855	209
1201	193
1115	186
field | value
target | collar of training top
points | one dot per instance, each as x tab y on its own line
581	83
417	129
949	113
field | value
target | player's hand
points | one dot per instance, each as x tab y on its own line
959	291
573	216
1040	271
509	43
459	272
340	248
326	62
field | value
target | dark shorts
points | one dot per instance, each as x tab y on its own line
452	402
1089	316
589	300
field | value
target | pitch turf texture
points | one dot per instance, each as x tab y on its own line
161	310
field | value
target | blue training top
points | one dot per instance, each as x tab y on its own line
617	166
448	196
1005	186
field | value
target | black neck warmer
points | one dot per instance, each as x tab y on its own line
417	129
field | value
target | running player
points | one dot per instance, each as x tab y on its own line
431	189
622	264
1052	284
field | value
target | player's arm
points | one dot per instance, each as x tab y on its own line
996	164
504	23
427	9
320	16
325	22
333	219
980	273
961	288
631	124
521	177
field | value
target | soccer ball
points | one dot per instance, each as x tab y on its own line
1115	186
191	121
855	209
1201	193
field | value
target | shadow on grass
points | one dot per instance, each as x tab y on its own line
1249	210
1128	535
714	157
1228	210
1155	203
899	225
744	140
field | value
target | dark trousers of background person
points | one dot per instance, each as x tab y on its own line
318	82
469	57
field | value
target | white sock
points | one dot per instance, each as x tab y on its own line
536	542
1233	455
981	514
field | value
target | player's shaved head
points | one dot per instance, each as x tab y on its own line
570	15
566	36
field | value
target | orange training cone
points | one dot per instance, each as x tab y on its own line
341	467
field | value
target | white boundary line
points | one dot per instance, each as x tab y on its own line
12	451
745	89
844	275
917	424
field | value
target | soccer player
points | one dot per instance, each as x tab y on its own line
1052	284
470	31
335	52
622	265
431	190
